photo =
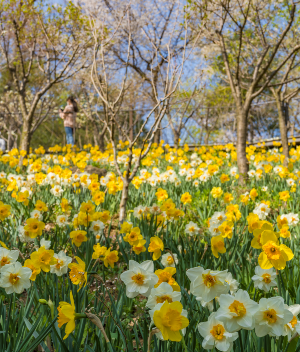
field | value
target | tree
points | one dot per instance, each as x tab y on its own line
108	27
155	33
38	37
248	38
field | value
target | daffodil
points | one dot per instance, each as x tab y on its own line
139	247
215	335
217	245
186	198
40	206
265	228
274	254
78	275
271	317
164	292
139	279
99	251
170	321
264	279
34	227
207	284
134	236
4	211
29	263
236	312
87	207
66	315
110	258
78	237
43	258
166	275
156	246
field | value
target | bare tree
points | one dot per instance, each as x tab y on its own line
103	21
34	48
250	48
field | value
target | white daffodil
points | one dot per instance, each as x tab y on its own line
262	210
97	226
56	191
294	325
61	267
23	235
236	312
192	229
169	260
15	278
233	284
8	257
292	219
36	214
264	279
271	317
61	220
164	292
139	279
209	305
215	335
207	284
45	243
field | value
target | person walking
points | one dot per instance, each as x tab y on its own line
69	117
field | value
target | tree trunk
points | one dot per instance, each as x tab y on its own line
157	136
131	124
283	128
241	144
124	199
101	142
176	139
26	135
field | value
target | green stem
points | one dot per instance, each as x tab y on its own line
215	305
279	283
241	342
183	342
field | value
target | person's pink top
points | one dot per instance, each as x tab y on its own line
69	116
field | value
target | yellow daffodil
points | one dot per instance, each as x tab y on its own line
99	251
110	258
217	245
161	194
34	227
253	222
266	228
64	204
186	198
78	275
66	315
40	206
78	237
134	236
43	258
165	275
139	247
35	268
216	192
274	254
87	207
98	197
125	227
170	321
156	246
4	211
285	195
